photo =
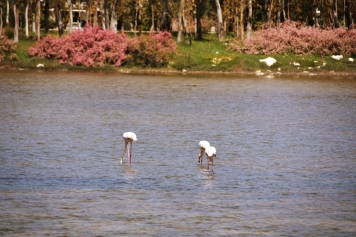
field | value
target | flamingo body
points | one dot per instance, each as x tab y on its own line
128	137
210	153
269	61
203	145
336	57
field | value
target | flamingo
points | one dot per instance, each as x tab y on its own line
128	138
210	153
269	61
336	57
203	145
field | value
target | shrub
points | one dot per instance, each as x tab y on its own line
153	50
93	46
87	47
9	32
290	38
6	46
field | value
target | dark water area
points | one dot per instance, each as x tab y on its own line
285	165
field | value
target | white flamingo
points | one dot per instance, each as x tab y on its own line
269	61
128	138
210	153
203	145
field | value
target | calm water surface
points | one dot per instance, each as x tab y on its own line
285	166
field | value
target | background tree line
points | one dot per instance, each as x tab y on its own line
191	17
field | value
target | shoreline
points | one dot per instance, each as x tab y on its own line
304	73
162	71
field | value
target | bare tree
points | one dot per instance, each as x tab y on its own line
70	6
38	19
335	16
95	18
137	13
350	4
46	16
7	12
166	23
58	15
280	12
1	22
26	18
242	7
113	18
220	20
180	21
152	17
17	20
198	16
249	19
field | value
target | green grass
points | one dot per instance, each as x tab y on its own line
207	55
210	55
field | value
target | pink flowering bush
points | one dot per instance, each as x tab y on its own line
290	38
95	47
6	47
153	50
89	47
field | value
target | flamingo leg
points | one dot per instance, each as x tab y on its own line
123	154
129	148
212	164
201	154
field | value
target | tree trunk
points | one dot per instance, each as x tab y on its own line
219	15
270	9
237	25
26	19
334	8
265	12
279	13
180	21
33	24
283	16
38	19
106	15
152	17
95	20
242	28
249	19
46	16
57	8
88	9
113	19
7	12
17	19
137	7
70	6
349	6
321	19
166	24
198	15
1	22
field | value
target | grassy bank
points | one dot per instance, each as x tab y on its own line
208	56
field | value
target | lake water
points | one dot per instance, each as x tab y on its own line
285	165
